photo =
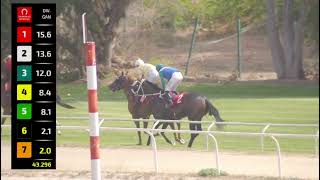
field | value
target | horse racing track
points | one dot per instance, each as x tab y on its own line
126	162
240	155
74	162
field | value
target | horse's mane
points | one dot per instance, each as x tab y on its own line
153	86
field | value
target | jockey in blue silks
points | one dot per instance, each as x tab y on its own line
170	79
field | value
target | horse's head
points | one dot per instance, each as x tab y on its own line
136	88
121	82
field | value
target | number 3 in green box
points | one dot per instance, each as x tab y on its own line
24	73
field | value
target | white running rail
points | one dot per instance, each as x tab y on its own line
211	134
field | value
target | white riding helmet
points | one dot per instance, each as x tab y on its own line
139	62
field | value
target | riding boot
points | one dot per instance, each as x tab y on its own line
169	98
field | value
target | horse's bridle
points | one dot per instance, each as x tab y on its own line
136	93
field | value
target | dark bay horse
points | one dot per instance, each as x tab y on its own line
193	106
141	110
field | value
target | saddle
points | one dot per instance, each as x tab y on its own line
176	99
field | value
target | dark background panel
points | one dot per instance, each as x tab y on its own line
43	34
38	12
40	149
43	92
45	58
44	130
28	134
43	73
36	111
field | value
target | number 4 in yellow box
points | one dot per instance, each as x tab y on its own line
24	149
24	92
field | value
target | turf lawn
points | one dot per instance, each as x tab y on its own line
264	103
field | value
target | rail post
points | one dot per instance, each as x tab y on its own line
155	153
90	51
262	136
193	40
207	135
279	155
317	144
238	49
217	152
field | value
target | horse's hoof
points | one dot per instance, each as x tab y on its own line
173	143
181	141
139	144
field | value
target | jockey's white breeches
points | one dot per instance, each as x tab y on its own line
174	82
153	76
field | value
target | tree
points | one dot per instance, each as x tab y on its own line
108	15
5	28
103	19
287	55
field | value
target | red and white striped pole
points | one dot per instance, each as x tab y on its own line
90	50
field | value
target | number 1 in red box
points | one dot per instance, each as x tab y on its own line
24	34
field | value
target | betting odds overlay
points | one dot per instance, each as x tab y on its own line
33	140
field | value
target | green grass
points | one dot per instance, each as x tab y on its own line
261	103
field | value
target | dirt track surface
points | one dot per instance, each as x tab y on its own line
74	163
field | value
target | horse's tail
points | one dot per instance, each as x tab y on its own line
213	112
65	105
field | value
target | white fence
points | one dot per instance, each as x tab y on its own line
265	126
208	133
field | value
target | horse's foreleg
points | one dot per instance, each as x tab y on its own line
165	125
145	124
179	139
3	120
137	123
174	134
156	127
6	112
193	135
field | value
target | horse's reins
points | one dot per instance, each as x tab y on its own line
136	93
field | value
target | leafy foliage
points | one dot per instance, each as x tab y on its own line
210	172
181	13
171	15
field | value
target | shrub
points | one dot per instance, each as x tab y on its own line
211	172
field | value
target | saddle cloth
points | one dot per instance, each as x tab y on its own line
177	99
